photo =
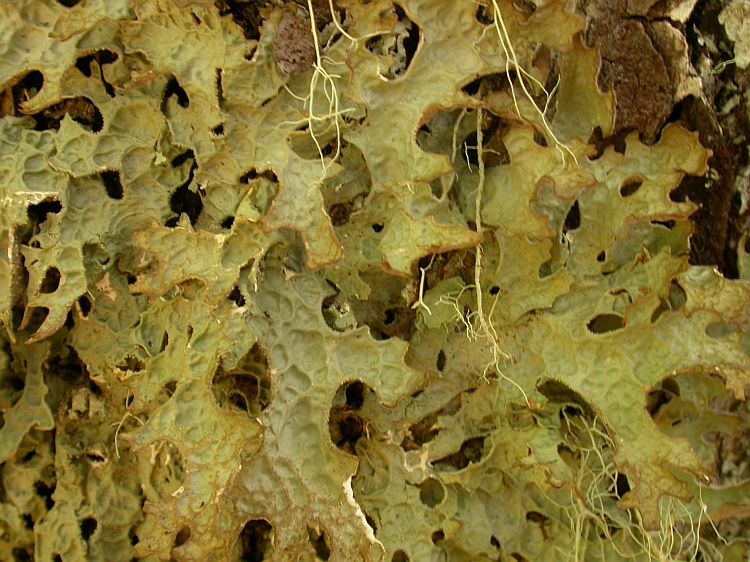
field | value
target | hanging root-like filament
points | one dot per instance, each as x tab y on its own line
511	61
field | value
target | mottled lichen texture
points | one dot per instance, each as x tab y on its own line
352	281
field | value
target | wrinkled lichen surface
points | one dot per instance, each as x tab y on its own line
284	283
